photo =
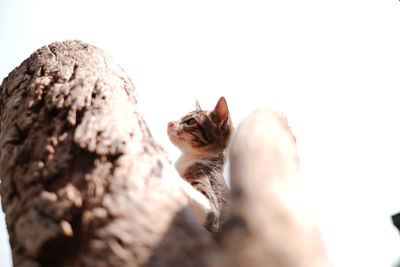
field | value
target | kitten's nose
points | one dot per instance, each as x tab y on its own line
170	124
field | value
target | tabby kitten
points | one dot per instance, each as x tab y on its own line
203	137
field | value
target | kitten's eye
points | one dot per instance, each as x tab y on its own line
190	121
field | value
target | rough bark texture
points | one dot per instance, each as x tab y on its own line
83	182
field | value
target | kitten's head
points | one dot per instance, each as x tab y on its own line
203	132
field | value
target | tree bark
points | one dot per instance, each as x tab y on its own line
83	181
85	184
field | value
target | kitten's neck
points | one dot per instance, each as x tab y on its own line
188	159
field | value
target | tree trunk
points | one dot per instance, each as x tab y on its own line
85	184
83	181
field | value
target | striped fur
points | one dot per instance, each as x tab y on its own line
203	137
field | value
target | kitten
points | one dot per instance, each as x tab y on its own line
203	137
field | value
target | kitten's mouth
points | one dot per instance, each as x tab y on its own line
171	131
174	135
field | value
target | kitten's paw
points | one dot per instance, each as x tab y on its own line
198	202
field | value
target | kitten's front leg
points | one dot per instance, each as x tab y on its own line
200	205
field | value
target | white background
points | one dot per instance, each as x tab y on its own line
333	67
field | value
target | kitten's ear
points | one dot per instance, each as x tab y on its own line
221	111
198	108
